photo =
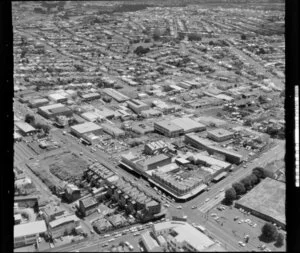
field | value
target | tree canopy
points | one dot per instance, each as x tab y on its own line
239	188
259	172
230	195
269	231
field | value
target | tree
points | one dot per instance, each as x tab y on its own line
239	188
243	37
230	195
30	119
46	128
253	179
280	240
269	232
246	182
259	172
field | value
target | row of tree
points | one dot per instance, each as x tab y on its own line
245	184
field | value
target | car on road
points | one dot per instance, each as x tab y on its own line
107	235
217	197
105	244
166	205
111	240
136	234
118	235
221	190
207	199
244	166
179	207
194	207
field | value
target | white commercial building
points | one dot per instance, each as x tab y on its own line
28	233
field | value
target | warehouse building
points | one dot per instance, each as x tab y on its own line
28	233
51	212
168	129
220	135
25	128
86	128
90	116
188	125
105	113
137	106
266	201
207	145
90	96
63	226
53	110
113	130
119	97
35	103
57	98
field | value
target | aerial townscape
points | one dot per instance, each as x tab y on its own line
149	126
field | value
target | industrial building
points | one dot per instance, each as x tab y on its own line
150	243
119	97
137	106
112	130
25	128
105	113
142	128
57	98
72	192
90	116
63	226
38	102
163	106
219	134
266	201
53	110
168	129
86	128
28	233
207	145
188	125
90	96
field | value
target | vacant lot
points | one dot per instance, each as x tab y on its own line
68	167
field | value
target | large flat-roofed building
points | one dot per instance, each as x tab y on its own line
163	106
63	225
266	201
137	106
112	130
119	97
188	125
28	233
207	145
25	128
90	116
86	128
155	147
173	185
219	134
57	98
141	165
181	236
38	102
168	128
53	110
51	212
90	96
105	112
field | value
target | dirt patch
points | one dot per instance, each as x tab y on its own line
68	167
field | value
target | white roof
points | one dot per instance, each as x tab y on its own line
30	228
25	127
86	127
187	124
56	96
